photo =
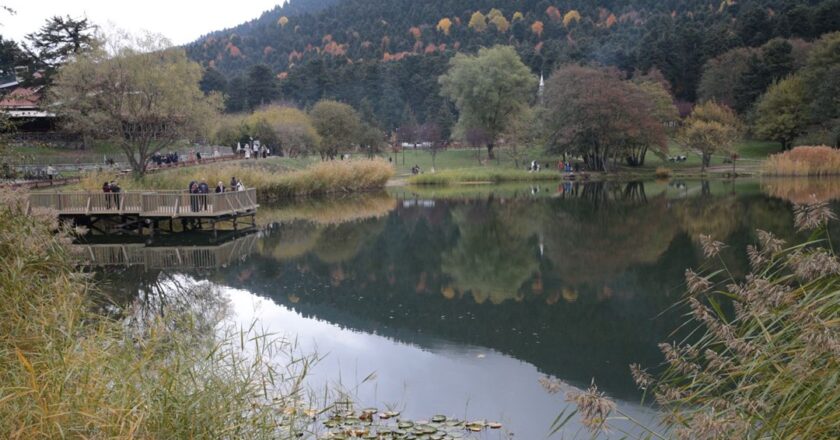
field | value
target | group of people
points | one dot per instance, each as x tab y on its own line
562	166
567	166
112	194
256	151
165	159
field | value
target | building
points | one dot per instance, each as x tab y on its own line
23	106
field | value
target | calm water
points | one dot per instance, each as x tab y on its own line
461	300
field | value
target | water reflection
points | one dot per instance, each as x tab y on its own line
572	281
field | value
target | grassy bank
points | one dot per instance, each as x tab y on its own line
68	371
804	161
483	175
274	179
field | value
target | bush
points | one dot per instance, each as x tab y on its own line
67	371
662	173
804	161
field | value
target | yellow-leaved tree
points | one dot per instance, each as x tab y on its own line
571	16
478	22
444	24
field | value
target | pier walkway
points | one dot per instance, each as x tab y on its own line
147	204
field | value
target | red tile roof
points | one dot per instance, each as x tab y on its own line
21	97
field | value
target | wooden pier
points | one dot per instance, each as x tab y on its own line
204	257
139	209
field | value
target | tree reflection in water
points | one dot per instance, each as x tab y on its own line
579	281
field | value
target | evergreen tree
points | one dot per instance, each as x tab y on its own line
213	81
237	95
262	86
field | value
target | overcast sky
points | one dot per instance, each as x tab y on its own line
181	21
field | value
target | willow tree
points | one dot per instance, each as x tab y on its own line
489	90
143	99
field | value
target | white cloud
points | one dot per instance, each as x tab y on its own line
181	21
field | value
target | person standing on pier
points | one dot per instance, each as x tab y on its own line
115	193
106	188
203	189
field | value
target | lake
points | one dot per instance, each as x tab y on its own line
476	301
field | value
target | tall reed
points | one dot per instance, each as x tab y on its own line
68	371
271	179
804	161
763	358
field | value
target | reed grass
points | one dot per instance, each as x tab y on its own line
68	371
763	356
802	190
272	180
482	175
804	161
330	210
663	173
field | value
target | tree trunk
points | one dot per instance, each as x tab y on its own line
707	159
490	154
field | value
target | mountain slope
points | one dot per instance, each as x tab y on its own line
391	51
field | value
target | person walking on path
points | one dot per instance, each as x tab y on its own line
50	172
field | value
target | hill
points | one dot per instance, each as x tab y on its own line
385	55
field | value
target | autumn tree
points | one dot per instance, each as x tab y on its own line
444	25
780	113
286	129
710	128
338	125
537	28
489	89
570	17
144	100
478	22
501	23
593	113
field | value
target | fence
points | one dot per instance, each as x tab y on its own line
147	203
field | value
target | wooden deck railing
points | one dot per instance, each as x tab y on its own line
159	258
147	203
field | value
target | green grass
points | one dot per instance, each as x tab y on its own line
483	175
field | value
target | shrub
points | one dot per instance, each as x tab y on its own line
662	173
804	161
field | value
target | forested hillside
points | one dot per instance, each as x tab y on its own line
384	56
